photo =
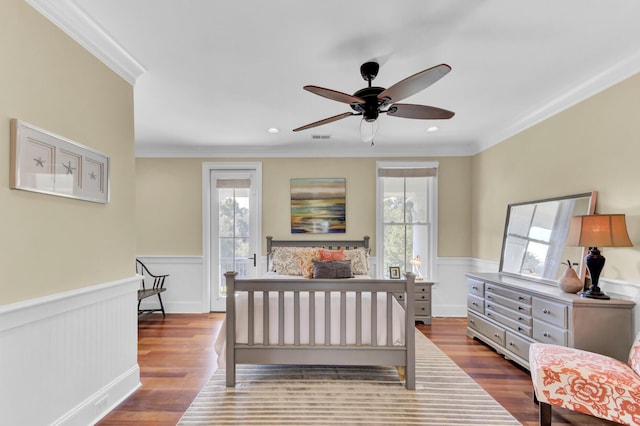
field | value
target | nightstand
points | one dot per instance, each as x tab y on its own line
423	301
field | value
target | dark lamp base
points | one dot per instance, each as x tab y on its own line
595	294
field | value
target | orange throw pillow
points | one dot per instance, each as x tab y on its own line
332	254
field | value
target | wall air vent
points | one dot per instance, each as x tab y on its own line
320	136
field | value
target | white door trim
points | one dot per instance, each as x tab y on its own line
207	168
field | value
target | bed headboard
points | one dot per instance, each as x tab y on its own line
329	244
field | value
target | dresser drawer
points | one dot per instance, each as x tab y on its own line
509	294
521	314
475	287
423	297
518	345
423	290
551	312
476	303
491	331
422	309
517	306
546	333
508	322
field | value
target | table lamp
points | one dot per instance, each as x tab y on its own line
416	262
593	231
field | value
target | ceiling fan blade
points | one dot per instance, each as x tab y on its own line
417	82
325	121
334	95
421	112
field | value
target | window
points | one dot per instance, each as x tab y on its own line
406	217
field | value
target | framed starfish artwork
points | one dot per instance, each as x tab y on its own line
50	164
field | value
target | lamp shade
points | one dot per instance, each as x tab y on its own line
598	230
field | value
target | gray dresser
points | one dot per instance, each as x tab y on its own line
509	313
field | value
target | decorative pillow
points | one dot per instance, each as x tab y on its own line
332	254
284	262
305	260
323	269
332	269
359	258
343	268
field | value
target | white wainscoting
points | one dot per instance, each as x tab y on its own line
186	289
69	358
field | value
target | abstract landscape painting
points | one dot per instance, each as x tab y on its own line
318	206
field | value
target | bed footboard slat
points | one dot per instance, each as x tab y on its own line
281	318
343	318
358	318
312	318
296	318
327	317
374	314
250	317
265	318
389	319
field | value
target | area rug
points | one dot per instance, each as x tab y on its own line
311	395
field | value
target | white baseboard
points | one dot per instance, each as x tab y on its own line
69	358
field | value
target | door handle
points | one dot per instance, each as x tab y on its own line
254	259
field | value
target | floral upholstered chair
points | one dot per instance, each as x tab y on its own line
586	382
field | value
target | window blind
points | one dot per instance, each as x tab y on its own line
408	172
233	183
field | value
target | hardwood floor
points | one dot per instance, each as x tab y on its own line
176	358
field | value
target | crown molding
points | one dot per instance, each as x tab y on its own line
71	19
291	151
608	77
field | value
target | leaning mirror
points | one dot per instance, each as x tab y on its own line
534	237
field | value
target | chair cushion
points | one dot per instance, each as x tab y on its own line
634	354
586	382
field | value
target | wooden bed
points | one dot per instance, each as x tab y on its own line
334	303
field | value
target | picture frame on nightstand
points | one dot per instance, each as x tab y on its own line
394	272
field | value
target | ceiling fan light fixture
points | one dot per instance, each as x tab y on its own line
273	130
432	129
368	129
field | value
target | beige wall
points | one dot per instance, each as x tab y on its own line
593	146
51	244
169	207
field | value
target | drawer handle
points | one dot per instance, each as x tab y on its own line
546	334
520	319
423	297
510	343
521	330
489	297
489	306
520	298
474	287
488	314
496	335
489	288
472	321
546	311
474	304
520	308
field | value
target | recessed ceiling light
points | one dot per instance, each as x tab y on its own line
273	130
433	129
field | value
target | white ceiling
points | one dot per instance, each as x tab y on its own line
212	76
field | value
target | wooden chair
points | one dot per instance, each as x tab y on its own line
156	288
586	382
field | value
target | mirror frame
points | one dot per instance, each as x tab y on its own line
593	196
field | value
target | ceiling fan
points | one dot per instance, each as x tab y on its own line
371	101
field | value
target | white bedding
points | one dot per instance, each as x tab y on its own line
398	328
